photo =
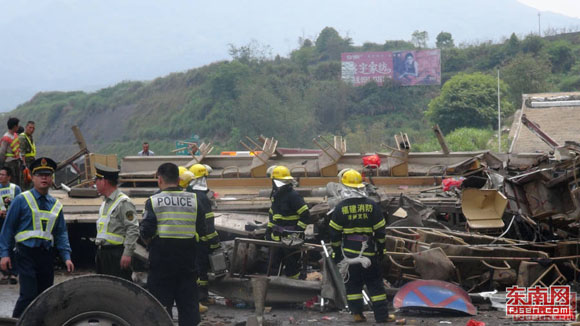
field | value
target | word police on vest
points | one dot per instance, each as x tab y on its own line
175	201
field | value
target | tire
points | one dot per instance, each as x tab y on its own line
95	300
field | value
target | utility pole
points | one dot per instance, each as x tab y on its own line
498	117
539	29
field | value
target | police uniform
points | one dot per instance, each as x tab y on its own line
288	215
7	193
208	245
33	239
117	228
356	221
174	220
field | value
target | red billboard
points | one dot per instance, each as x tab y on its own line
417	67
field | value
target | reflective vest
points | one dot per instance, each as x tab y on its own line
42	221
104	219
14	142
7	192
176	213
32	146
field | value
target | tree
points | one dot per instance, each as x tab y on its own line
330	45
253	52
468	100
561	56
533	44
526	74
444	41
420	39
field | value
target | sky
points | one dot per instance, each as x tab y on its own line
65	45
565	7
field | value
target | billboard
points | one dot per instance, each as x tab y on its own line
416	67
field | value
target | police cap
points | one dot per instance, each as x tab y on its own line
106	172
43	165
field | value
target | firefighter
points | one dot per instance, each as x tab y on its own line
211	241
357	234
288	217
173	221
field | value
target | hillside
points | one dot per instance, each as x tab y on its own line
292	99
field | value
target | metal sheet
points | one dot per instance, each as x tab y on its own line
433	296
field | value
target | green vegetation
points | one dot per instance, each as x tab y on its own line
296	98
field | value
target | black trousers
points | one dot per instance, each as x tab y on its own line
372	278
35	267
202	267
169	287
108	261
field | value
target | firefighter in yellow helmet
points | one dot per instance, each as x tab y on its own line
357	234
211	242
288	217
185	177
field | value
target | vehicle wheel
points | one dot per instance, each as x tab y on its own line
95	300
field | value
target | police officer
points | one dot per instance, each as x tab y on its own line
211	241
117	226
357	234
8	191
288	218
172	223
36	224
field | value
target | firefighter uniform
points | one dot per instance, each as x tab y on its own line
174	220
33	239
210	242
357	229
117	229
288	218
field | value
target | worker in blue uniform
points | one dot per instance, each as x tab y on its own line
34	227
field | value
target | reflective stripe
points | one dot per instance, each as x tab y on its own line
215	245
38	216
379	297
302	209
8	192
104	220
358	252
357	296
202	283
209	236
335	226
381	240
176	214
270	224
358	230
32	146
336	244
209	215
302	225
379	225
274	237
295	276
286	218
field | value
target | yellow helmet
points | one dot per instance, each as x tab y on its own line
184	177
281	172
352	178
199	170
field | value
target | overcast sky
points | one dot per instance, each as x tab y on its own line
49	45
